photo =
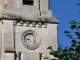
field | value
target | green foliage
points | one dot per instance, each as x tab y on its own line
72	52
45	57
78	4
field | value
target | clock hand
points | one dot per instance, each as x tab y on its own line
28	39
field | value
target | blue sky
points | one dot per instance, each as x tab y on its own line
65	11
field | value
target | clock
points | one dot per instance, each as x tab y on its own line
30	39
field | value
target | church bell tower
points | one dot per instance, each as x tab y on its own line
27	28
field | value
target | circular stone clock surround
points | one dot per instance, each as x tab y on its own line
37	37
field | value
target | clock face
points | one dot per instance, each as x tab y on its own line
30	39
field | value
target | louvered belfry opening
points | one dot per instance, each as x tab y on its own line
28	2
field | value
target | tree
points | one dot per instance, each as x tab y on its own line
72	52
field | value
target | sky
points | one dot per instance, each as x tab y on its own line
65	11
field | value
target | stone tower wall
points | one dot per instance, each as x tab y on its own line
11	40
0	40
39	9
16	19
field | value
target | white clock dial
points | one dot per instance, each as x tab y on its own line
30	39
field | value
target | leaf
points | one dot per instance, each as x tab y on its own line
73	41
77	33
78	58
72	49
78	26
78	49
78	4
45	58
67	32
66	58
49	47
73	26
59	48
74	57
51	53
73	22
65	50
57	54
70	37
78	42
73	45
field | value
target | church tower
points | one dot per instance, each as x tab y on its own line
27	28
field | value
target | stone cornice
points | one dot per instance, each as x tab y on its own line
42	20
21	18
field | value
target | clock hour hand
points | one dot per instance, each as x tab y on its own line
28	39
